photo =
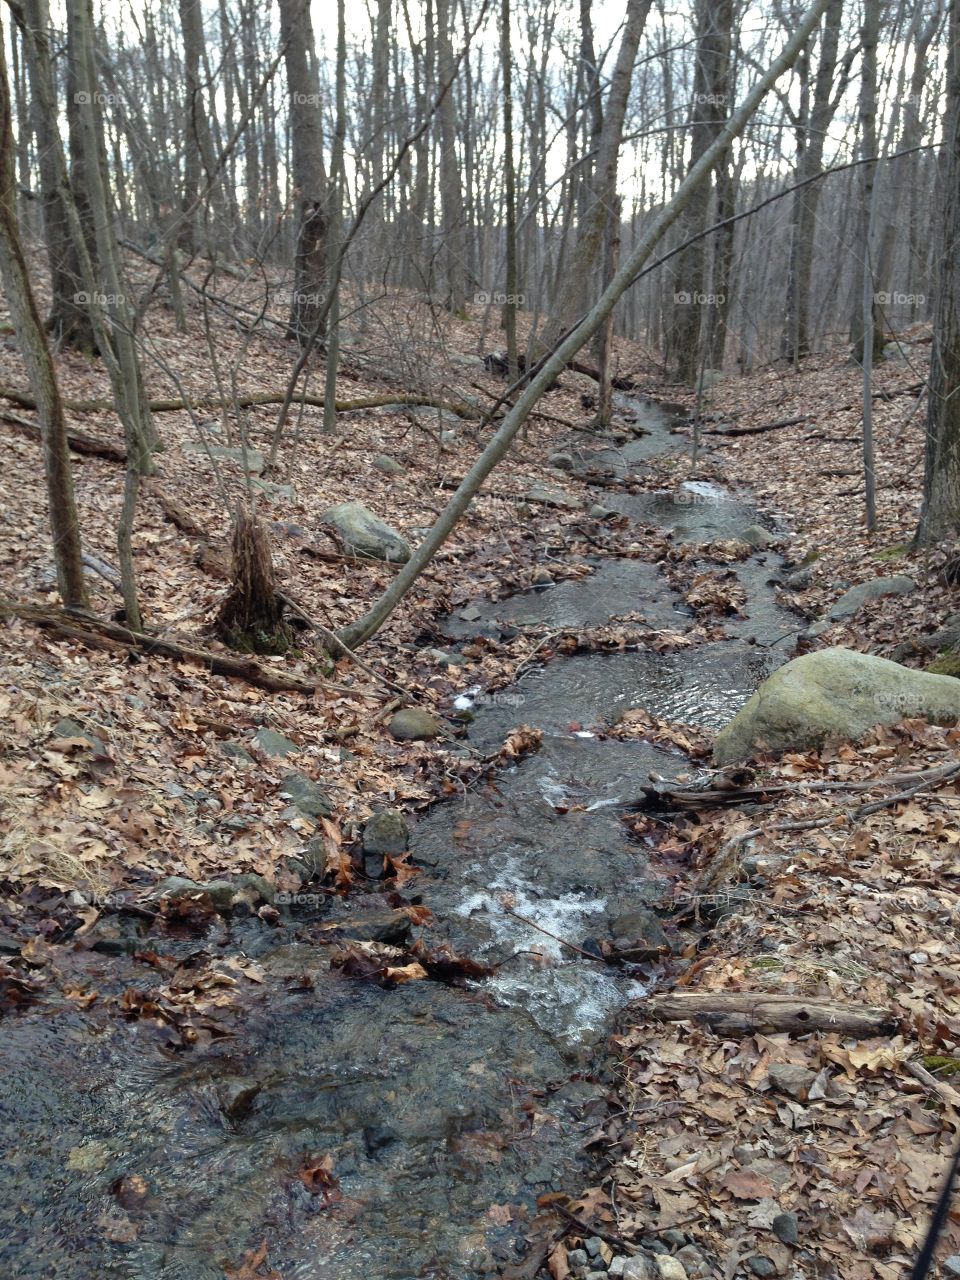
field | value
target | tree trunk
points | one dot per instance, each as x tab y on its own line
940	515
251	616
573	295
307	170
795	340
454	246
691	301
863	272
67	552
69	319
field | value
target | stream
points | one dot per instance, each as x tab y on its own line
442	1112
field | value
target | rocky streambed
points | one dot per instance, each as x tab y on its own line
386	1134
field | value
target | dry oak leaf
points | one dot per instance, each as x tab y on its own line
744	1185
249	1268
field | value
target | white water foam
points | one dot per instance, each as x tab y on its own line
565	993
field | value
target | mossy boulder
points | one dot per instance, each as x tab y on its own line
386	831
413	724
364	535
835	694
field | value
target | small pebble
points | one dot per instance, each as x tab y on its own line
786	1228
670	1268
593	1246
674	1237
616	1267
761	1266
596	1275
951	1265
641	1267
577	1258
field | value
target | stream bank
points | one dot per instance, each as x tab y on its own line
385	1134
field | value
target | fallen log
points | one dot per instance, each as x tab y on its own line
756	431
253	399
891	394
78	441
100	634
177	515
746	1012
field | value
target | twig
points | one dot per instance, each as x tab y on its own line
556	937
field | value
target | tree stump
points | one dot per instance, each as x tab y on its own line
251	616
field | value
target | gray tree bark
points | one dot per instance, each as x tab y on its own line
940	514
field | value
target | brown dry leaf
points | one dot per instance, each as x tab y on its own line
558	1263
250	1266
744	1185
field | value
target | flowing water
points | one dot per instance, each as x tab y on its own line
442	1113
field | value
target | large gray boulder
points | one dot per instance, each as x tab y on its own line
834	694
364	535
898	584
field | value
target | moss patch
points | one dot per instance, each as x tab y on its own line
895	552
941	1065
948	664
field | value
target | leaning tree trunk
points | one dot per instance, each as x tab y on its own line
940	515
39	364
251	616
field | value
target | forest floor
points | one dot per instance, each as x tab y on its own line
118	770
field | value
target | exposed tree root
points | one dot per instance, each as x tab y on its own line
99	634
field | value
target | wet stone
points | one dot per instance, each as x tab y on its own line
307	796
641	1267
786	1228
387	465
694	1262
761	1266
67	728
386	831
412	724
236	1096
272	743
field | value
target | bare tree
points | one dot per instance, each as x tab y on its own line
307	168
940	515
64	526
